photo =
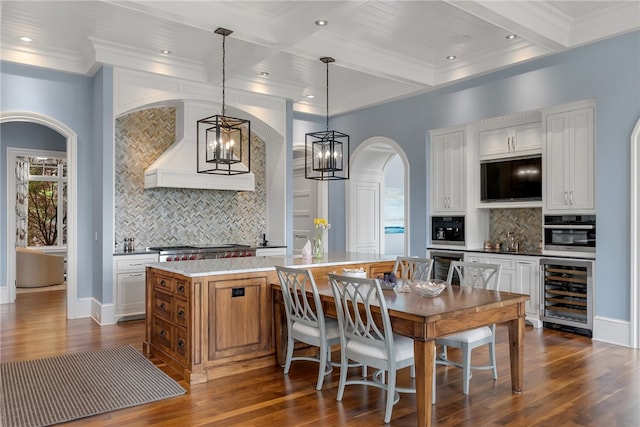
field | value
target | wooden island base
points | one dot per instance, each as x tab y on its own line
212	326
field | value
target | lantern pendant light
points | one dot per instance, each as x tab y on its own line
326	152
220	137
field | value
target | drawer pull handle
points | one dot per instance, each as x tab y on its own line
162	306
163	283
163	333
181	313
181	288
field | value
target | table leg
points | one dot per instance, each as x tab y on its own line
516	353
423	353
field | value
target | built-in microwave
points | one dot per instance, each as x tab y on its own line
576	233
447	230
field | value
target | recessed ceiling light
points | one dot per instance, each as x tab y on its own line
165	52
321	22
309	96
26	39
511	37
451	57
264	73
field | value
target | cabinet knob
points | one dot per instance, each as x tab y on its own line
181	343
163	333
181	313
162	306
181	288
163	283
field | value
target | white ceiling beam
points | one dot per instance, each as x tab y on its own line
366	58
530	20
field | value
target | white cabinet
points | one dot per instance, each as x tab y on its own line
129	276
520	274
569	160
518	140
527	281
448	172
508	272
271	251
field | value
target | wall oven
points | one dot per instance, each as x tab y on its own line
567	294
576	233
441	262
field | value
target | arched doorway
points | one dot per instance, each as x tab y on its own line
635	237
365	200
72	217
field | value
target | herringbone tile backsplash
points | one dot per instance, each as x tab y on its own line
169	216
525	223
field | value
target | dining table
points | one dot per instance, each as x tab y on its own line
425	319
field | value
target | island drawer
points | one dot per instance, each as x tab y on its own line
182	288
164	283
181	311
181	347
163	305
163	334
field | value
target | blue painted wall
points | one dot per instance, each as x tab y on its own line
608	71
67	98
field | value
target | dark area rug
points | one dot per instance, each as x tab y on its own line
62	388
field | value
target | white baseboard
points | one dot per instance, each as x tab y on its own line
612	331
103	314
4	295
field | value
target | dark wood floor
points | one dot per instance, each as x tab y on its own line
569	381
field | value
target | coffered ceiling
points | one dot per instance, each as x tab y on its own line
384	50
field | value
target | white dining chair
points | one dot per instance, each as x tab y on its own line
412	268
358	302
476	275
306	321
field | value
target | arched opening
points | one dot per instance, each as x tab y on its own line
635	237
71	157
370	209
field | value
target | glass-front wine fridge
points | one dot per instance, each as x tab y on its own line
567	294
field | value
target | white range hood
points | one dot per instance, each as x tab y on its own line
177	167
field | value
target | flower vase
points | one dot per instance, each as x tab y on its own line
318	248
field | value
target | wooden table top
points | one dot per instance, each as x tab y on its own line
455	304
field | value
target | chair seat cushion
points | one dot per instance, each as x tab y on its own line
469	336
403	346
331	325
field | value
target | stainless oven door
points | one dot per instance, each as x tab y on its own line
579	238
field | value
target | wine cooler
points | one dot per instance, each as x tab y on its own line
567	294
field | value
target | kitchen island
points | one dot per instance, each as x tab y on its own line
213	318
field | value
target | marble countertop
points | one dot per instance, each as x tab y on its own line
210	267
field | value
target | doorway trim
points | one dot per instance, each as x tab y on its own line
634	259
350	187
72	209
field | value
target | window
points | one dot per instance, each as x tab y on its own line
47	201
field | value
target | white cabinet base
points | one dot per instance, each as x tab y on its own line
129	285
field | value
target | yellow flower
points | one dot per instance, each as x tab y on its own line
321	224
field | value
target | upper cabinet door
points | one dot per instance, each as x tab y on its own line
512	141
448	173
570	161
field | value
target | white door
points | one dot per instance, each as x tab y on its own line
366	226
305	202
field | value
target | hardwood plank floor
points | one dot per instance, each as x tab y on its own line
569	381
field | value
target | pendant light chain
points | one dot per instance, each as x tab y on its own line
224	55
327	95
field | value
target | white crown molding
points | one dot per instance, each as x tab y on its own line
60	60
611	22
